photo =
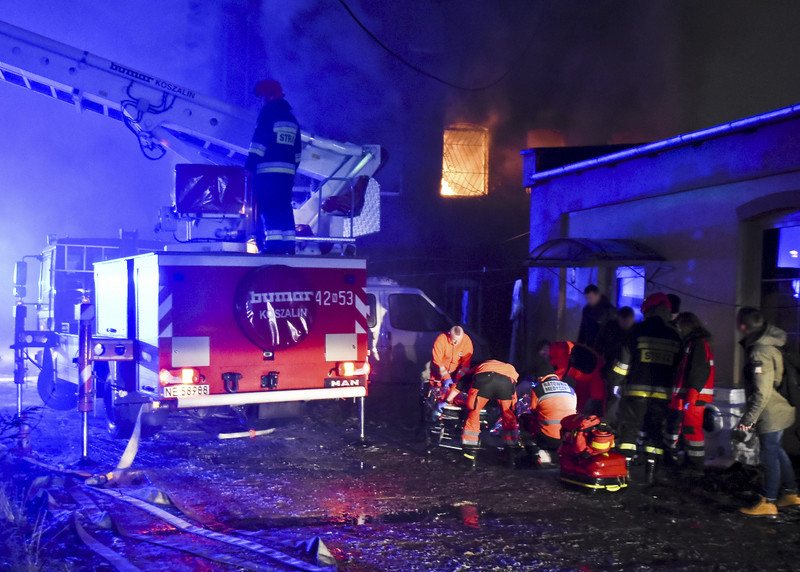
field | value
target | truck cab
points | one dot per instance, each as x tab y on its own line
66	278
403	324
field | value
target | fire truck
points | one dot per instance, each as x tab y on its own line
200	320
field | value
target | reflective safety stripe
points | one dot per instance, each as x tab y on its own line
275	167
646	342
645	391
707	392
653	451
648	394
551	422
555	394
696	452
257	149
601	446
475	433
621	368
627	446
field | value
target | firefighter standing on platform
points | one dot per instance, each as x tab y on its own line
490	380
273	158
452	356
694	389
646	371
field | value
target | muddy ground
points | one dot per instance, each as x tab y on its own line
385	506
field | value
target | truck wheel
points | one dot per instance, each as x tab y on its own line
121	416
60	394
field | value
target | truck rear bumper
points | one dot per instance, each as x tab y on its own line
271	397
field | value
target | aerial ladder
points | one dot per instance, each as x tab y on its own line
335	199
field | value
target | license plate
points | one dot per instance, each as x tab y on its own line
183	391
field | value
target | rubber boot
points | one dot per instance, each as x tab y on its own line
789	499
511	457
470	457
762	508
629	467
651	470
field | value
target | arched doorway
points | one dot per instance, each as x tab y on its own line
770	269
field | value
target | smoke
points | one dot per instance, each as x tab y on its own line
593	71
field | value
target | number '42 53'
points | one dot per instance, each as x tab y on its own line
340	298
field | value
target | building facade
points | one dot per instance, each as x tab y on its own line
712	216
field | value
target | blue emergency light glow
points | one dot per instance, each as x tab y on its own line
12	77
92	106
789	247
64	96
40	88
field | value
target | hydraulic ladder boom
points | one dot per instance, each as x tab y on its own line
165	116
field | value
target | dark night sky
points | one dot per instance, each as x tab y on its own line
597	72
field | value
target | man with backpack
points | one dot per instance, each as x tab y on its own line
767	409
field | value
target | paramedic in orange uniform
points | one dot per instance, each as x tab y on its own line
551	401
491	380
452	356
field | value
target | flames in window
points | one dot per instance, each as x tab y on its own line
465	161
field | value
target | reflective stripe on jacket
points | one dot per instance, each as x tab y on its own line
276	145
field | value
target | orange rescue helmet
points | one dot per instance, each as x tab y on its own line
653	301
268	89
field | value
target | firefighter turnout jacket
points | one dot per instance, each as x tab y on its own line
694	383
694	389
646	371
582	367
276	144
451	360
647	362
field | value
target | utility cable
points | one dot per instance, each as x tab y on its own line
429	75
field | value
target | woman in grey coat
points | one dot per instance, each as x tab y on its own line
767	410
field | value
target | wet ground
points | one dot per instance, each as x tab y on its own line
385	506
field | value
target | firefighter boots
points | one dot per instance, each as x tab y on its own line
511	454
470	457
651	470
762	508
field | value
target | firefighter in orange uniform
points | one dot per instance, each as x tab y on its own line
490	380
694	389
551	401
452	356
581	366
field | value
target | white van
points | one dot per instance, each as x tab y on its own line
403	324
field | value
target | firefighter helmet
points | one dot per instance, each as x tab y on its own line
653	301
269	89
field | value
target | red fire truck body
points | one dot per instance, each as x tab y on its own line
213	329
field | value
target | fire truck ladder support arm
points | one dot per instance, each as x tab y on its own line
166	116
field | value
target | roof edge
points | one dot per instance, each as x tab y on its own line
671	143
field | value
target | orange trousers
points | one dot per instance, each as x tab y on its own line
472	430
